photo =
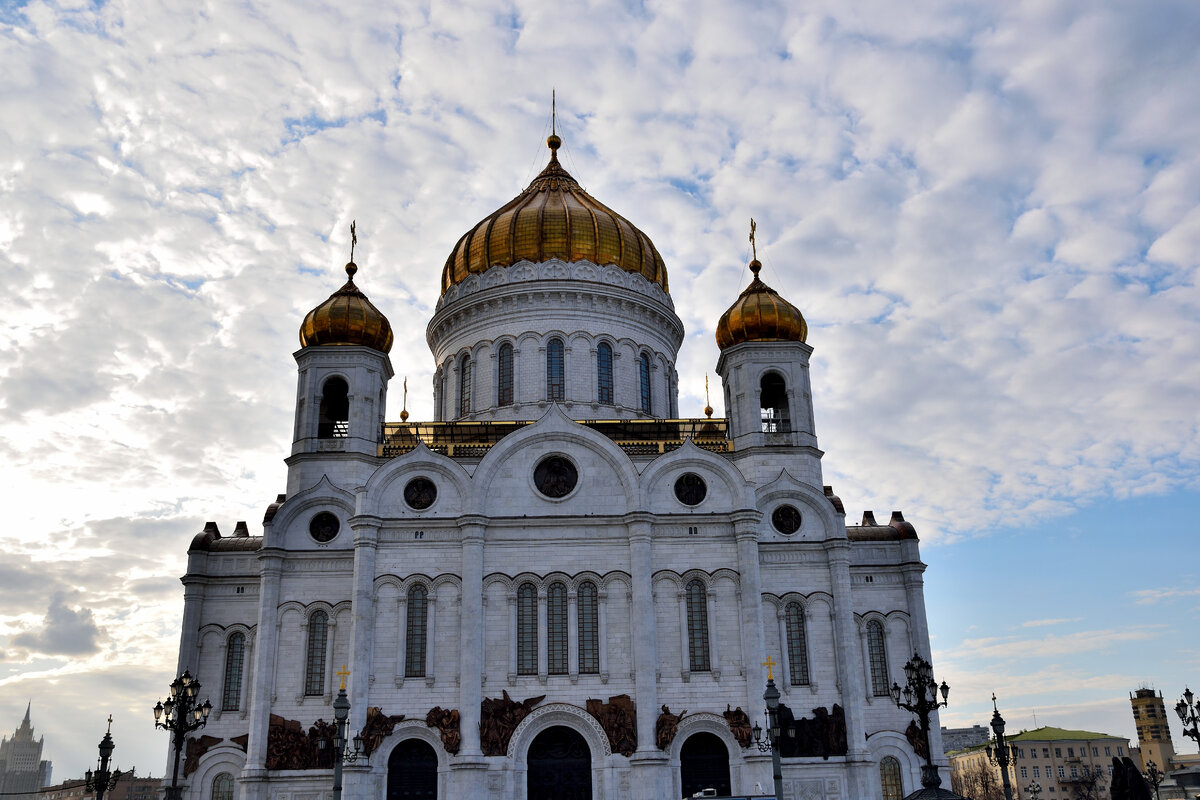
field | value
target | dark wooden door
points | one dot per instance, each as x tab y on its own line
704	764
412	772
560	766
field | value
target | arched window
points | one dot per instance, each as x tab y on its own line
464	386
555	371
697	622
644	381
235	652
222	787
773	399
335	410
527	630
877	655
589	628
797	647
556	628
416	629
604	374
314	661
504	382
889	778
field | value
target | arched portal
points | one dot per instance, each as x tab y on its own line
560	766
412	772
704	764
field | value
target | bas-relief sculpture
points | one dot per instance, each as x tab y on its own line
289	747
197	747
618	717
824	735
915	740
498	718
666	727
446	721
378	727
739	725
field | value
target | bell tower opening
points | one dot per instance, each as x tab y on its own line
774	402
334	422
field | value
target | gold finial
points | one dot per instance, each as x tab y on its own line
343	673
351	267
755	266
769	663
404	410
708	409
553	142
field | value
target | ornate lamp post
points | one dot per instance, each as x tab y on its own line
920	696
180	714
1003	753
1188	710
102	780
341	753
1034	790
771	696
1154	776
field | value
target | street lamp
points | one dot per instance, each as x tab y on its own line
921	697
1154	776
1188	710
341	753
1003	753
102	780
1034	790
180	714
771	696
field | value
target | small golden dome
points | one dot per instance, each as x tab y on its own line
347	318
760	315
553	218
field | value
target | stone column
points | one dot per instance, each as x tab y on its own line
914	592
431	663
573	635
785	668
469	766
262	691
362	634
189	639
849	666
651	779
402	638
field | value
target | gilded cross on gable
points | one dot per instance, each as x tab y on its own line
769	663
343	673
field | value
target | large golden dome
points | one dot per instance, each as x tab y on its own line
553	218
760	315
347	318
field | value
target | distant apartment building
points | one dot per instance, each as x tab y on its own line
1153	729
128	787
22	770
1057	759
962	738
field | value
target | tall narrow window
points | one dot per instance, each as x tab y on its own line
504	382
697	622
222	787
464	386
416	630
555	371
527	630
644	381
314	662
797	647
877	654
589	628
235	656
889	778
604	374
556	629
773	399
334	422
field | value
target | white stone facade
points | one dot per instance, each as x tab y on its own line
621	532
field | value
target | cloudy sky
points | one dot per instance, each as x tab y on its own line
988	212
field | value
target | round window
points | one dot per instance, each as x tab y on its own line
555	476
786	519
324	526
420	493
690	489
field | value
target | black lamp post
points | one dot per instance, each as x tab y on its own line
920	696
181	714
1154	776
1188	710
102	780
341	753
1034	790
1002	754
771	697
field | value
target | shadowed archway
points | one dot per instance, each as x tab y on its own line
412	771
560	766
704	764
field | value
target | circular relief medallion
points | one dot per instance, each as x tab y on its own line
555	476
324	527
786	519
690	489
420	493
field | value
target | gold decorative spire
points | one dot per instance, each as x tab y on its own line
708	409
404	410
760	314
553	142
347	317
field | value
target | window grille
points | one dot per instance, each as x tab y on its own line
589	628
644	381
416	631
555	373
222	787
527	630
504	391
235	652
797	647
889	778
697	622
556	633
877	652
464	386
604	373
314	671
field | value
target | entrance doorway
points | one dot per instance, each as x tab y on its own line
560	766
704	764
412	772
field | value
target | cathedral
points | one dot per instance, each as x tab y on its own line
558	588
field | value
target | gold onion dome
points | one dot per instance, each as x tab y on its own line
347	318
760	315
553	218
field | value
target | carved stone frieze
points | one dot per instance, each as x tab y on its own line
446	720
378	727
739	725
498	718
618	717
290	747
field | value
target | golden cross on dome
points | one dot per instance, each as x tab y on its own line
343	673
353	239
770	662
753	246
